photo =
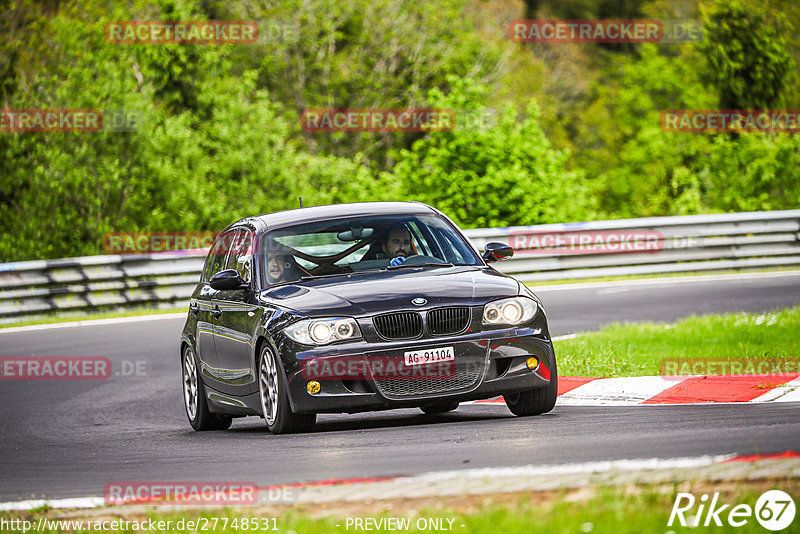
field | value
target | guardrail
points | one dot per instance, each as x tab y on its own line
543	252
681	244
93	283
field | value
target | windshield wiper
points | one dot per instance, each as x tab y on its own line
430	264
330	275
314	277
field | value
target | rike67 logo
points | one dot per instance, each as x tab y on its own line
774	510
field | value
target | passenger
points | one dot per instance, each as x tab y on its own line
276	268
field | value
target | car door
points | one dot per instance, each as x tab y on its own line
238	312
201	305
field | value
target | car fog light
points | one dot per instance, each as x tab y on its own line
313	387
532	363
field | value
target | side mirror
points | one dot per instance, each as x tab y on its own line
227	279
494	251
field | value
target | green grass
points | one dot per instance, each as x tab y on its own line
654	276
632	510
638	349
92	316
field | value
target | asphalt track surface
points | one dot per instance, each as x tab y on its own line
71	438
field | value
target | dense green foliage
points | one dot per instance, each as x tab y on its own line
505	172
574	135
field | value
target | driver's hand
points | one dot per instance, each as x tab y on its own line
397	261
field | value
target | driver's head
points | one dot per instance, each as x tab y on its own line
276	266
397	242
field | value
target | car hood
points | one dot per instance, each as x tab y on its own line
380	291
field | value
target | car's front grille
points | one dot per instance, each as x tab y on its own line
447	320
403	325
465	378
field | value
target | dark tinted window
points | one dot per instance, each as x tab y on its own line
360	244
218	256
241	254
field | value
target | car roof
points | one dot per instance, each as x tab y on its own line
282	219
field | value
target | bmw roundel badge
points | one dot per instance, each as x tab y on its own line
419	301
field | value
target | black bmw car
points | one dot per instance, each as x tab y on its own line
358	307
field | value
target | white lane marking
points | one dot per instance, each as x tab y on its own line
788	392
618	391
574	468
81	502
567	336
667	280
480	473
92	322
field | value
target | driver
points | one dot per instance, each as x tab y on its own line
397	244
276	268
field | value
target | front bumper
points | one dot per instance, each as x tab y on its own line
486	364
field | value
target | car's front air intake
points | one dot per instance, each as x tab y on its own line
466	377
402	325
448	320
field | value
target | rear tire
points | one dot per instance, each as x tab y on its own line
535	401
194	397
274	399
439	408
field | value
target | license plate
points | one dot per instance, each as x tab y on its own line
423	356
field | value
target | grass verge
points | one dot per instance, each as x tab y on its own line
633	509
93	316
655	276
638	349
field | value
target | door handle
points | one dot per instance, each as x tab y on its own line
194	308
216	312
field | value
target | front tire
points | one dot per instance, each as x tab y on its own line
194	397
275	406
535	401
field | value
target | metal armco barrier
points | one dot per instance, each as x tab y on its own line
682	244
656	245
80	285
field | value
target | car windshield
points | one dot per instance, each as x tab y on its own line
329	248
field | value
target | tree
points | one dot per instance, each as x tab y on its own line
747	56
505	174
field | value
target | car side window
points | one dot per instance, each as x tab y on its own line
218	255
241	256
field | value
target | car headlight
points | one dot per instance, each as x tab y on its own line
323	331
514	310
